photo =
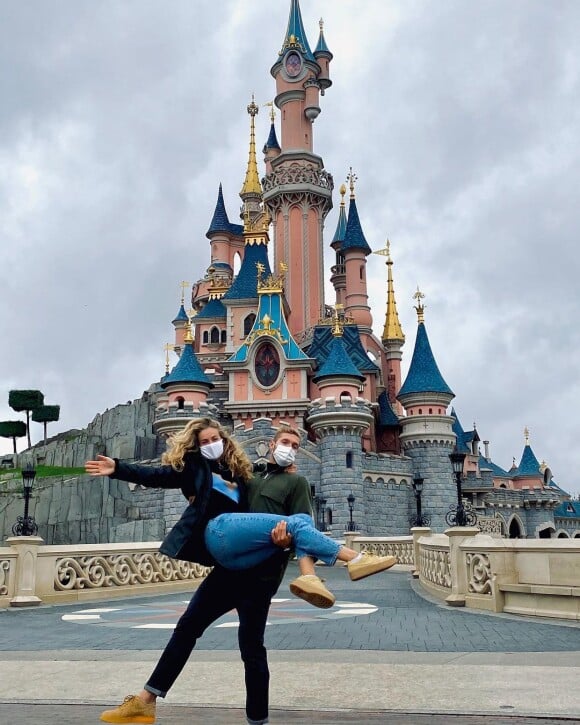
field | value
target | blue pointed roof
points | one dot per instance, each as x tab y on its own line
529	465
213	309
387	415
338	362
296	28
245	285
181	316
567	510
423	375
272	142
321	46
462	437
497	471
272	305
340	232
354	237
321	344
220	221
187	370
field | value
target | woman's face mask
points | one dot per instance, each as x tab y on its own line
212	451
284	455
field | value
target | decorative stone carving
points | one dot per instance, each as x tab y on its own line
435	567
478	573
4	574
403	550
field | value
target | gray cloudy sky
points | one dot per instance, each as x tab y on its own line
461	119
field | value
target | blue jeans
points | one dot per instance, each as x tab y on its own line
241	541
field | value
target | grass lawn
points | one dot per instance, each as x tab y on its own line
46	471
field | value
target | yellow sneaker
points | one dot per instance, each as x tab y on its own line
132	710
369	564
310	588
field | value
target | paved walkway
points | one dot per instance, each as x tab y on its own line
383	654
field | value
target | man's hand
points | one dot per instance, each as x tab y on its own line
280	536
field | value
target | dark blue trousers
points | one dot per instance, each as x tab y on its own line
219	593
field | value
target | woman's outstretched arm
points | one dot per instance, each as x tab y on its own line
150	476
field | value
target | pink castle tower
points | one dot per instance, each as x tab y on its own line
297	190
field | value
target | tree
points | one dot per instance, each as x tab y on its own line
26	400
46	414
12	429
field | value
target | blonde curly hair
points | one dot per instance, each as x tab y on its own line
187	440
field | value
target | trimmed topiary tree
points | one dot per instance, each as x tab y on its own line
46	414
27	400
12	429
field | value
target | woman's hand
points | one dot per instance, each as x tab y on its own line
103	466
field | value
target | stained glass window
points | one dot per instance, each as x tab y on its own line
267	364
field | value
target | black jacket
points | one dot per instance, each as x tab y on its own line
186	539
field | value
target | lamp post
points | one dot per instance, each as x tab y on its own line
419	519
319	504
351	499
459	514
26	525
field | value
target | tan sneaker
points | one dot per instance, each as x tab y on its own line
310	588
369	564
132	710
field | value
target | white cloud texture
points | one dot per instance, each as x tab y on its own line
461	120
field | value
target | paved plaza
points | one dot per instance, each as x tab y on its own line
384	653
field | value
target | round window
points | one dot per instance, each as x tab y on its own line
267	364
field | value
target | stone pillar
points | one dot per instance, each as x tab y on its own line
417	532
349	537
456	564
25	585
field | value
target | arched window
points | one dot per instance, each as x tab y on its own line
362	272
224	336
349	459
249	323
180	402
515	531
205	337
328	516
214	336
267	364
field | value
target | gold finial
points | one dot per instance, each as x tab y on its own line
337	323
191	313
420	307
167	348
261	268
266	322
527	435
184	286
351	177
270	105
342	192
283	267
188	337
252	181
392	329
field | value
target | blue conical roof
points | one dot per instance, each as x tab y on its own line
496	470
354	237
387	415
296	29
181	316
423	375
459	433
340	232
529	465
338	362
321	46
272	142
187	370
220	221
245	285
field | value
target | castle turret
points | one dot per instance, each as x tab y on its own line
180	322
427	435
271	148
338	270
355	250
297	190
323	57
528	473
251	192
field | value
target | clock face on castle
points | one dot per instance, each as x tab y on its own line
293	64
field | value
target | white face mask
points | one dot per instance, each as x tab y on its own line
284	456
212	451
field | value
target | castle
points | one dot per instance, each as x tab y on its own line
260	347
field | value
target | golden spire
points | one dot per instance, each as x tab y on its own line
252	181
188	337
342	192
392	329
352	178
184	286
420	306
337	323
167	348
527	435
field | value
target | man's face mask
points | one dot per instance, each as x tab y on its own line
212	451
284	455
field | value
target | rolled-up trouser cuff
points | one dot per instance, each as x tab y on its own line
154	691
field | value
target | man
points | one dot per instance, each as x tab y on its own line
275	488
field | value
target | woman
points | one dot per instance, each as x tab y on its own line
213	472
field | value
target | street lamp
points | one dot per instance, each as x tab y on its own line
459	514
419	519
26	525
351	499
